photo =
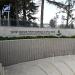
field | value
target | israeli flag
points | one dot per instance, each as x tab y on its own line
6	8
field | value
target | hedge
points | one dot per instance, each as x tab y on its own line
33	37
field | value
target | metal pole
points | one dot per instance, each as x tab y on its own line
0	18
8	20
42	13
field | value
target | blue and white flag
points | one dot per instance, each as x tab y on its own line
6	8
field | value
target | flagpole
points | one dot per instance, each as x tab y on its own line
6	9
8	19
0	18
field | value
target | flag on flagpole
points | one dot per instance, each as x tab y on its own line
6	8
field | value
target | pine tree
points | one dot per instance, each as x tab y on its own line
29	9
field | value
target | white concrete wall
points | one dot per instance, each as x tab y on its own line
22	31
16	51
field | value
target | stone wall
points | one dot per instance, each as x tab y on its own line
22	31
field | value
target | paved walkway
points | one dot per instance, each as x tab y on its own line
60	65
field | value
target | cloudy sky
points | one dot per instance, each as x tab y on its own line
49	12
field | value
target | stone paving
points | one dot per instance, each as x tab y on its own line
59	65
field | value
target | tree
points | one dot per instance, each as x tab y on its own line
28	7
67	7
61	26
71	25
52	23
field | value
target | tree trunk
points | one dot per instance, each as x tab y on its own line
67	20
24	11
68	12
24	14
17	17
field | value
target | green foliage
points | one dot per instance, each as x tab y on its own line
34	37
26	37
29	9
52	23
68	9
73	36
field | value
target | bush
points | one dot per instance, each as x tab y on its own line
73	36
33	37
26	37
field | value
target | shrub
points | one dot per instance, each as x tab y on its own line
33	37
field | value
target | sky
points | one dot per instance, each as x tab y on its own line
49	11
